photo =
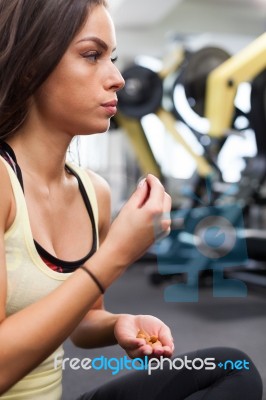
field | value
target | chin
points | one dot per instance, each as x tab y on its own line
102	128
97	129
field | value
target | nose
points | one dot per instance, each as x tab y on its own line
117	82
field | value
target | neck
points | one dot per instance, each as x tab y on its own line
41	154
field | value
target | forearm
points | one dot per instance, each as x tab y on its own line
97	330
32	334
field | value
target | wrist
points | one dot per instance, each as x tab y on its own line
105	266
94	278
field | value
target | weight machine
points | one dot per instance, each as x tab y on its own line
209	79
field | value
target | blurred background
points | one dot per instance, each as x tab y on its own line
193	112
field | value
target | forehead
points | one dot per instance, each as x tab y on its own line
98	24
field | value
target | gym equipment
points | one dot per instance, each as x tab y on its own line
222	83
192	78
210	78
136	135
142	93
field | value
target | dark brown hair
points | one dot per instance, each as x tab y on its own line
34	35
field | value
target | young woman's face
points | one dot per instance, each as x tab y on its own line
79	97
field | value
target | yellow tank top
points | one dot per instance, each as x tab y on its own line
28	280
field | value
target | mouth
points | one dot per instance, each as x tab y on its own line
110	107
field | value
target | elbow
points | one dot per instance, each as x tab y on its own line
79	342
10	375
76	339
83	339
6	382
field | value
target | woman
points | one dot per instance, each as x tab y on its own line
57	252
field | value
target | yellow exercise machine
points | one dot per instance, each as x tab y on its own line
210	72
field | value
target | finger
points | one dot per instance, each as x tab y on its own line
156	194
166	337
133	343
145	350
162	226
167	351
142	351
166	217
149	350
141	194
157	348
167	204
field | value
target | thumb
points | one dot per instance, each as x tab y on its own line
141	194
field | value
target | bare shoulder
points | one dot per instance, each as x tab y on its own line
7	213
103	195
6	195
101	186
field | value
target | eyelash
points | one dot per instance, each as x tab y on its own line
96	55
114	59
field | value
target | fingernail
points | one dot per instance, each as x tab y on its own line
141	182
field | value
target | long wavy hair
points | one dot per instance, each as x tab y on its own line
34	35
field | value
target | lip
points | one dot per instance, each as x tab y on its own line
111	107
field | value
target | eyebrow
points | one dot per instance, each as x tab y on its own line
97	40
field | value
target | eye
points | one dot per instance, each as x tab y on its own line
114	59
92	56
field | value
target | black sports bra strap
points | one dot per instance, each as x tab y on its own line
68	266
8	154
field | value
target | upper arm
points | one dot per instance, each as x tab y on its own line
6	218
103	195
3	279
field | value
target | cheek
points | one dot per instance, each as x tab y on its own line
72	76
67	93
71	98
72	105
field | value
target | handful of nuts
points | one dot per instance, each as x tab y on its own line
151	340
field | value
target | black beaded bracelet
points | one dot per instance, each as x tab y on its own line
93	277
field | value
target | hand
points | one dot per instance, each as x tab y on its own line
135	228
127	328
